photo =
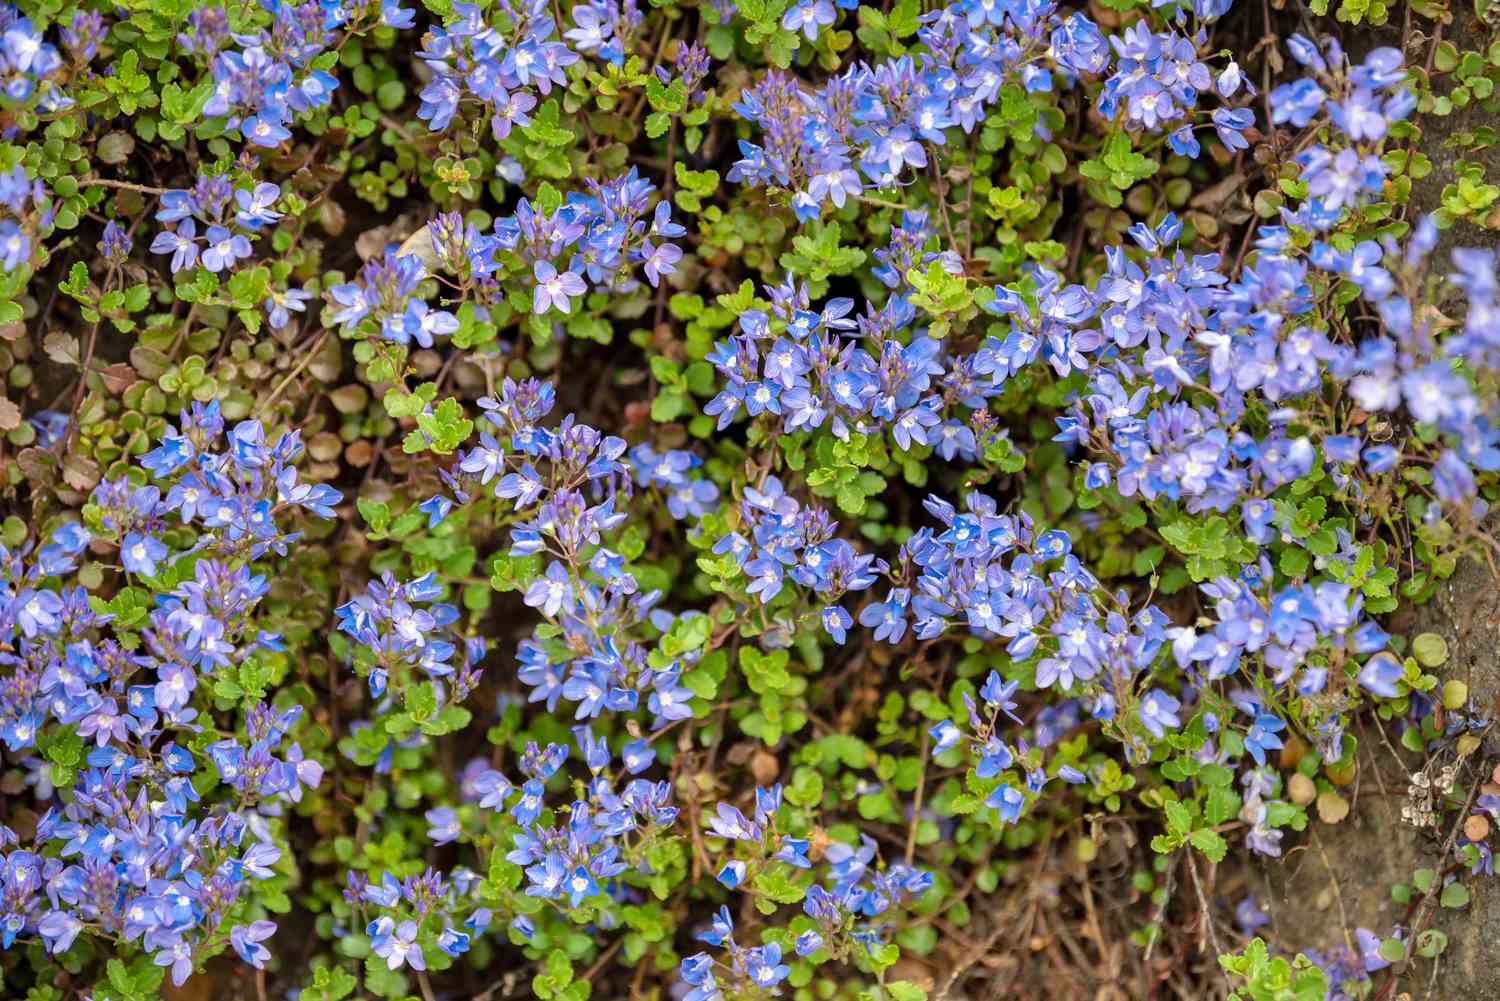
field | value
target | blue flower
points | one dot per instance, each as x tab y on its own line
224	248
732	874
181	244
442	825
1262	736
1379	675
945	736
764	966
246	940
1157	711
1008	801
396	944
140	553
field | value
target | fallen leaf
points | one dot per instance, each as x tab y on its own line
61	348
419	244
117	377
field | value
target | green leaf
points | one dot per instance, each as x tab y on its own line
1210	843
1454	895
1430	649
421	701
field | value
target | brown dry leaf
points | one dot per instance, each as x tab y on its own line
419	244
115	148
117	377
61	348
80	472
764	766
329	362
38	465
324	446
1212	198
149	362
914	971
351	399
1301	789
1205	223
1292	752
372	242
359	453
331	217
10	415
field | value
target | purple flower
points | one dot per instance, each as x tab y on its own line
1380	674
246	940
140	554
660	260
224	248
182	245
554	289
396	944
1158	710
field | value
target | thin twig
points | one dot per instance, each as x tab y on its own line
105	182
605	957
1208	914
916	805
306	360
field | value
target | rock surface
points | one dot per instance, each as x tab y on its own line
1338	877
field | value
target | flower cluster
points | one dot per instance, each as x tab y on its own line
869	127
837	917
31	68
1159	77
28	212
402	626
231	218
593	239
610	829
495	68
795	363
156	827
385	293
606	27
407	918
786	540
274	74
670	472
827	600
1256	352
570	489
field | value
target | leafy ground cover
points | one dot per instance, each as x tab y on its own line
738	500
